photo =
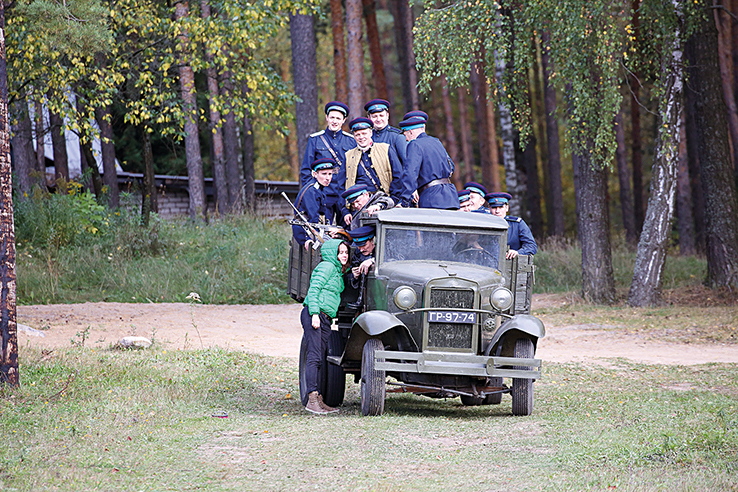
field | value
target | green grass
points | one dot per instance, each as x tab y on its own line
143	420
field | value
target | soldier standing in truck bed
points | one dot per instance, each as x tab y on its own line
428	167
378	111
332	143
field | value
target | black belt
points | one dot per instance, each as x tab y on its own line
435	182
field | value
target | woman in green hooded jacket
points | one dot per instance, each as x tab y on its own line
321	305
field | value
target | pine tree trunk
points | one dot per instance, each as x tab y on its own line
684	195
247	148
40	131
645	289
693	158
302	36
375	48
222	197
494	151
149	202
355	51
626	196
724	22
451	144
231	150
339	52
593	229
466	137
479	96
533	213
192	139
405	14
555	207
8	327
110	174
716	169
59	141
23	156
400	41
635	128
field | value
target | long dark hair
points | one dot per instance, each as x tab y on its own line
347	266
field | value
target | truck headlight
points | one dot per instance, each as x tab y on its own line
404	297
501	298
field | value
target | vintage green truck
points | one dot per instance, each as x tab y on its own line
443	314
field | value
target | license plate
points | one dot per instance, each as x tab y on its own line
451	317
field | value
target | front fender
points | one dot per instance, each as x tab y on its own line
377	324
524	323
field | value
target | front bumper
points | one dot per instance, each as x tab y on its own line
455	364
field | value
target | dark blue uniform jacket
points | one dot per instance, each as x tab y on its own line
340	142
311	202
394	138
519	236
428	160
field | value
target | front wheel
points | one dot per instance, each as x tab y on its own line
522	389
373	388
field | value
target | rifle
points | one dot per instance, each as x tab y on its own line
305	224
323	229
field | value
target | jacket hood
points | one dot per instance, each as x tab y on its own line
329	251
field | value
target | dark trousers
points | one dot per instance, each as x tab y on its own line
317	342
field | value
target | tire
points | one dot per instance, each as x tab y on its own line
335	381
522	389
372	381
303	382
495	399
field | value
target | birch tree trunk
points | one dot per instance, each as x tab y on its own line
222	197
508	144
645	289
8	327
192	138
339	52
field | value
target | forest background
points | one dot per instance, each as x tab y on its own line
546	100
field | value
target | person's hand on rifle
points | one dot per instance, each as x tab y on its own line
308	243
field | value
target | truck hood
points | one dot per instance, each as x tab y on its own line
419	272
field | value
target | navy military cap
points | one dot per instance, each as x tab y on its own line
337	106
498	199
362	235
476	188
354	192
377	105
323	163
413	120
360	123
464	196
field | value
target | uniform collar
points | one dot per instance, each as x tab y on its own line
382	130
332	133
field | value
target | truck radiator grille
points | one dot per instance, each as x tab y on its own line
451	335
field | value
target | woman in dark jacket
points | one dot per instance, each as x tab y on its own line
321	305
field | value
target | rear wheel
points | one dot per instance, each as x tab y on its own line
372	381
496	398
335	384
522	389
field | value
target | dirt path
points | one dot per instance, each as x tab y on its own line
275	330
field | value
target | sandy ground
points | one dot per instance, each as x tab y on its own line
275	330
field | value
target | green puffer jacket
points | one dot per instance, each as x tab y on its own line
326	282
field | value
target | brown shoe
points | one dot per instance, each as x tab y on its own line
324	406
313	405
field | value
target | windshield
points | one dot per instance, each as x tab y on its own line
478	247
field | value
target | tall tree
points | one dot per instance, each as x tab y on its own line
339	51
626	195
59	142
635	124
716	170
555	204
110	174
247	149
507	132
478	86
23	155
355	52
693	161
494	151
724	22
451	145
304	77
231	148
375	48
466	136
645	289
687	244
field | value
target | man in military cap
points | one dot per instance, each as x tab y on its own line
465	201
332	143
361	203
363	259
378	111
428	167
311	198
519	238
478	192
374	165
